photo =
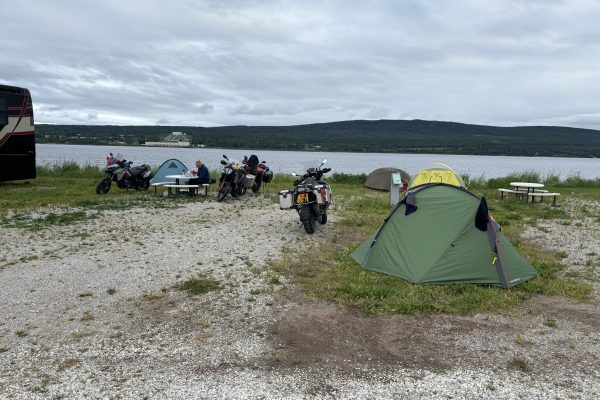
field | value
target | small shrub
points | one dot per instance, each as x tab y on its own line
518	364
551	323
200	285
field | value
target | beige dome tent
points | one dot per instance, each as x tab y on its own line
381	178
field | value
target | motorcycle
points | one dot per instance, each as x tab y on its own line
125	176
310	196
260	171
232	179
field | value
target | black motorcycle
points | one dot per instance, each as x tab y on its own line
259	170
311	196
232	179
125	176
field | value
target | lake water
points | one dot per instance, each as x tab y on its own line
351	163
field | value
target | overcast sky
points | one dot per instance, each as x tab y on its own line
241	62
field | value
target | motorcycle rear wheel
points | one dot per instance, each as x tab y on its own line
103	186
323	218
306	217
256	186
223	191
144	185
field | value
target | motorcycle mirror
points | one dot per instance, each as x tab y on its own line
294	174
223	162
324	161
264	162
225	157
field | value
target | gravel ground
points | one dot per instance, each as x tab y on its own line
92	310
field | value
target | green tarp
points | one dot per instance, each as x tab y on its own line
440	243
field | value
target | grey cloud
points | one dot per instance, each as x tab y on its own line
284	62
205	108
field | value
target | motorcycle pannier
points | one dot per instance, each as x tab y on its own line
323	194
285	199
267	176
249	181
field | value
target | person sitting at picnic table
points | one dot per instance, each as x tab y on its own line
200	174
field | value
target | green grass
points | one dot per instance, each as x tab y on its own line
64	186
200	285
329	273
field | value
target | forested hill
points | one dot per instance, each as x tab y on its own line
389	136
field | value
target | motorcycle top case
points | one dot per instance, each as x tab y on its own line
267	176
323	195
249	181
285	199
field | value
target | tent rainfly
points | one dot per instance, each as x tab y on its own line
169	167
441	233
381	178
437	173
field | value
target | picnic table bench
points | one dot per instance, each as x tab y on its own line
510	191
542	195
179	187
157	184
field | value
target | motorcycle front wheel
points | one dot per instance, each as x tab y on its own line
307	220
223	191
103	186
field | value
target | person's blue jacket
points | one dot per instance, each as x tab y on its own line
203	176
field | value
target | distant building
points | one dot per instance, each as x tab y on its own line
174	139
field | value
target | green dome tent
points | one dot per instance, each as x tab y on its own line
441	233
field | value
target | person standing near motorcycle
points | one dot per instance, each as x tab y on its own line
201	174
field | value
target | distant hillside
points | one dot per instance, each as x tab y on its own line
387	136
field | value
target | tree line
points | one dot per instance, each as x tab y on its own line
382	136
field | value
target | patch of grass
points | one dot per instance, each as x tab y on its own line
3	349
523	341
25	222
29	258
111	291
80	335
561	254
67	363
21	333
153	296
518	364
86	294
343	282
551	323
200	285
69	190
87	316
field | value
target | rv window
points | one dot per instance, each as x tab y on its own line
3	112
